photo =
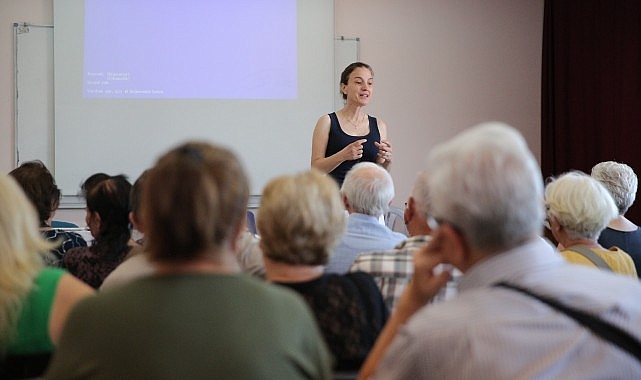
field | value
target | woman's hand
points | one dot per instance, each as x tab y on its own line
384	155
353	151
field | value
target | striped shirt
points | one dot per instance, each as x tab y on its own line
392	270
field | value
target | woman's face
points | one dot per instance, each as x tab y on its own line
359	87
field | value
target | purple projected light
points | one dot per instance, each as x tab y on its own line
242	49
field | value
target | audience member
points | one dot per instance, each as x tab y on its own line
486	197
135	264
622	183
134	213
40	187
392	269
301	218
34	300
579	208
249	255
367	193
108	221
195	317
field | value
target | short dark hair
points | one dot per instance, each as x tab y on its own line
39	186
348	70
193	201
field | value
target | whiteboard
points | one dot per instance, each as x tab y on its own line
34	105
34	114
346	51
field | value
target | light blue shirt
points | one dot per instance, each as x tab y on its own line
494	333
364	233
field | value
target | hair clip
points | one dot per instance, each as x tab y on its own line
192	153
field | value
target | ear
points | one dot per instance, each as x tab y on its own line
132	219
409	212
95	217
453	246
343	85
555	226
345	201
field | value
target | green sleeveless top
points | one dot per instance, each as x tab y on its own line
33	324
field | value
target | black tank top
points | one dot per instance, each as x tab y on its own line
338	140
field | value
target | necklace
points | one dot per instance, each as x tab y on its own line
355	124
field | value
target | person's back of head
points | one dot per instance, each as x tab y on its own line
38	184
21	245
301	218
109	199
620	180
580	204
91	182
368	188
486	183
194	201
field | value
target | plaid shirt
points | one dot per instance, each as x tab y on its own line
393	269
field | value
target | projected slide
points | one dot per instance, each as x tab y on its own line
192	49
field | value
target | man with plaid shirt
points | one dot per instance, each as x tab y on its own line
392	269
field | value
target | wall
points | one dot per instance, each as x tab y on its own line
440	66
443	65
32	11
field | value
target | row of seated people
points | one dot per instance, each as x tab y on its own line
307	248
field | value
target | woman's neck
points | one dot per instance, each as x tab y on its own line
281	272
351	112
566	243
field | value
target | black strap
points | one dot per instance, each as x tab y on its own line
599	327
590	255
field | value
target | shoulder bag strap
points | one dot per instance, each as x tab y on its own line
590	255
599	327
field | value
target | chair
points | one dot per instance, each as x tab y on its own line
394	220
61	224
251	222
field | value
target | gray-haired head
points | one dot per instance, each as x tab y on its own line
620	180
369	189
486	182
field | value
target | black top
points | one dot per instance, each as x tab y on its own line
91	265
350	312
629	241
338	140
67	241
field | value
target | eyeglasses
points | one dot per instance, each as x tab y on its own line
546	222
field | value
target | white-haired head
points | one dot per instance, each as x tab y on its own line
581	205
369	189
486	183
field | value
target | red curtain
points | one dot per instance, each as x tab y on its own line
591	86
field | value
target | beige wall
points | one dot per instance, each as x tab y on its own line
443	65
440	66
